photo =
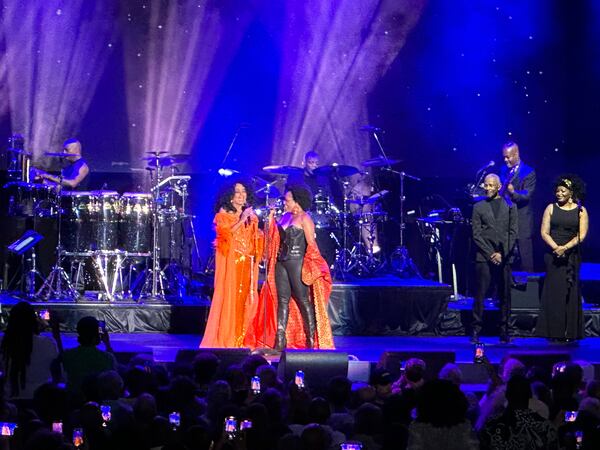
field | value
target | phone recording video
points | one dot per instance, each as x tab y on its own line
44	314
57	427
255	385
101	327
245	425
175	419
571	416
351	446
299	379
230	427
479	353
78	437
106	414
7	428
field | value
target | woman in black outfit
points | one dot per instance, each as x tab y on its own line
564	227
296	229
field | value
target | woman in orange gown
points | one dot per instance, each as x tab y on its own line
238	247
292	309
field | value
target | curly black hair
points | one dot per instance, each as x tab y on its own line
301	195
573	183
228	191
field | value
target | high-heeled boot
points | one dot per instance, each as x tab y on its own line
307	311
282	319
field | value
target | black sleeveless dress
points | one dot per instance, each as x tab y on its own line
561	314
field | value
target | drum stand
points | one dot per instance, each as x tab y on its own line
153	290
176	281
344	262
400	259
58	284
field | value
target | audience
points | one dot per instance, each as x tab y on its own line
185	405
26	355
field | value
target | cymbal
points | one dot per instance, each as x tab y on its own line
380	161
19	151
58	154
283	170
336	169
360	201
157	152
378	195
262	192
163	161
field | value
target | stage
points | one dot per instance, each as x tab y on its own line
387	305
365	352
386	320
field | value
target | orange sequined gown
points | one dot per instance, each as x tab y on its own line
236	278
263	324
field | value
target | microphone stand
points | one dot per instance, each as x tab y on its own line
400	259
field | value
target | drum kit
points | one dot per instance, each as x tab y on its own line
106	238
347	234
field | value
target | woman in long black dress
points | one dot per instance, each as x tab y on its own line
564	227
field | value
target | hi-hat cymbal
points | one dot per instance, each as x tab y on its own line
283	170
380	161
377	196
336	169
262	192
58	154
157	152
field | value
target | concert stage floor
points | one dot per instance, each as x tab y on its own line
367	351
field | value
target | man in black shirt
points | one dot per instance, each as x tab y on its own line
494	226
74	174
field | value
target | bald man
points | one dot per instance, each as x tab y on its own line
494	226
519	180
74	175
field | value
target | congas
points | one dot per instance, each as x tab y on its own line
135	227
29	199
76	225
105	220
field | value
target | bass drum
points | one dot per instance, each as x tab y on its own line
76	225
135	227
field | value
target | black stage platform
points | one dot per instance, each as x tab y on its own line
383	306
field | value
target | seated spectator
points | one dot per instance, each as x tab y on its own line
452	373
413	376
319	413
26	355
381	380
339	393
441	421
268	378
205	367
368	426
519	426
86	360
315	437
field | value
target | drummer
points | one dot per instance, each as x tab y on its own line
317	184
362	187
74	176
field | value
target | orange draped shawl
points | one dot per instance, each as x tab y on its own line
263	325
237	255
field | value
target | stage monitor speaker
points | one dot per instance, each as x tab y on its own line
540	358
527	296
434	361
319	366
227	356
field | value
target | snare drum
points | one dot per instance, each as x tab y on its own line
105	220
76	225
135	228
